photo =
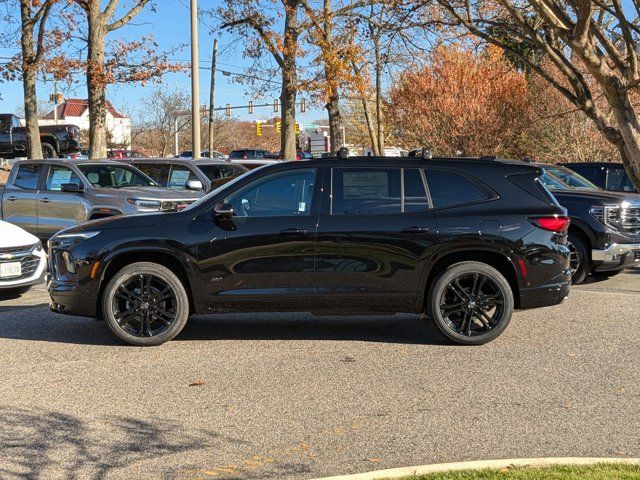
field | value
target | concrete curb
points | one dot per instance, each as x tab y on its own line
479	465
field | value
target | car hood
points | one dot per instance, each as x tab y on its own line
150	193
599	196
12	236
121	221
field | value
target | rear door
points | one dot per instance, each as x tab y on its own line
58	210
374	238
20	199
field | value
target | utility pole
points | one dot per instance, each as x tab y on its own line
195	83
212	95
55	101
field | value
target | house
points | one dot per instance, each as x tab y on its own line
75	111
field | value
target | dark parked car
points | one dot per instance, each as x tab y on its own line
465	240
604	236
606	175
57	140
250	153
188	174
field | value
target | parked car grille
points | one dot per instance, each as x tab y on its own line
16	250
630	220
29	263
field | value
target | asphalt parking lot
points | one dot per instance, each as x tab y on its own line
295	396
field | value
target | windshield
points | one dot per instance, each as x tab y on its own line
571	178
115	176
214	172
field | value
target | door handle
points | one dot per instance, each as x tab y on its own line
415	230
45	200
12	199
294	231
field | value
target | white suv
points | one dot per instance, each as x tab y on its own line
23	261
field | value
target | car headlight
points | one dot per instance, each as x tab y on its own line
37	247
610	215
78	235
138	202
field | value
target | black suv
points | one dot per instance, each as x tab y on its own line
464	241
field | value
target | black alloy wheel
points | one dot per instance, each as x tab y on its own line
471	303
145	304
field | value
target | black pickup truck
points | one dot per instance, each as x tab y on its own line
57	140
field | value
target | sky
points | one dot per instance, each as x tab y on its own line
170	26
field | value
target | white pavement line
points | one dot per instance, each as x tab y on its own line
393	473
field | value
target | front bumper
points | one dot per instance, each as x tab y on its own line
34	278
616	257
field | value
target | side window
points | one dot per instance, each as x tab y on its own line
449	188
283	194
618	180
415	193
362	191
180	176
59	175
28	176
158	172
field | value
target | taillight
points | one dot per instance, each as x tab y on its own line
554	223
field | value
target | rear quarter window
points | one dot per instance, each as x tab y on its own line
449	188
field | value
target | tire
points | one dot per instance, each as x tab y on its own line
145	304
580	262
471	303
48	151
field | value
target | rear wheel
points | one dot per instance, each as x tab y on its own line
145	304
580	262
471	303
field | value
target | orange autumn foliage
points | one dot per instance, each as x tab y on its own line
461	102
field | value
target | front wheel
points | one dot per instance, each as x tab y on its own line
580	262
145	304
471	303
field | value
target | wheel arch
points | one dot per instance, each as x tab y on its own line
101	212
501	261
180	265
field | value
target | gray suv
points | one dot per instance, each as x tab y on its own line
46	196
200	175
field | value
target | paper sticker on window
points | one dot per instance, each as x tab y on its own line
302	206
58	178
178	178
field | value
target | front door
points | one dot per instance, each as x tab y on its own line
20	198
374	239
58	210
264	254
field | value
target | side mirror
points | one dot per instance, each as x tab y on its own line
224	211
194	185
72	188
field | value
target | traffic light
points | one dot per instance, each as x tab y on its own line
250	106
278	126
259	129
276	105
228	110
297	128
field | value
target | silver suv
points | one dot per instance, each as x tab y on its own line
46	196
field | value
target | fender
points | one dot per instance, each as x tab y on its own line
104	211
445	250
177	251
579	224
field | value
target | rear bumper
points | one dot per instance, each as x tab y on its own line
546	295
616	257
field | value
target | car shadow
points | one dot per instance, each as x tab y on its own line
408	329
37	323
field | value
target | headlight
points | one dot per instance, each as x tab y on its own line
610	215
37	247
78	235
144	203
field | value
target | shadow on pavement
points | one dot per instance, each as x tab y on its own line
388	329
41	444
39	324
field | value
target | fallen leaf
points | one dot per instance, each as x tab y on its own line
196	383
374	460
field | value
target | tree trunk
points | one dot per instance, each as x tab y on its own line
96	85
335	122
627	123
288	150
29	71
380	132
370	127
